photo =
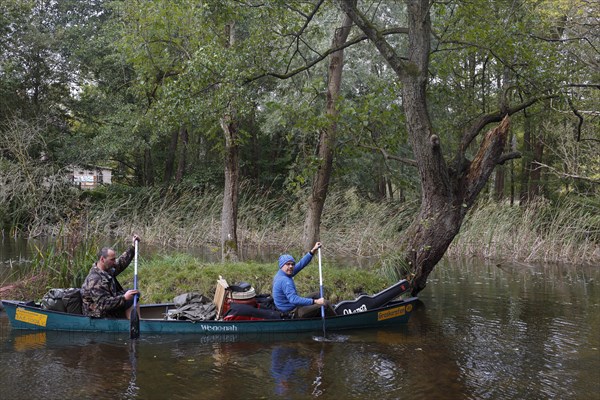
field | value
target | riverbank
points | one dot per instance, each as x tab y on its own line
566	231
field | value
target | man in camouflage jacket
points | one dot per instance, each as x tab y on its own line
102	294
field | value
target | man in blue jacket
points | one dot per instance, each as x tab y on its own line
286	297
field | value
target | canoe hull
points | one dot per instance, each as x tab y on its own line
23	316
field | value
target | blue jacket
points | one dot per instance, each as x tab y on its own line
285	295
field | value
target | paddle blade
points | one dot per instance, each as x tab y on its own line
134	322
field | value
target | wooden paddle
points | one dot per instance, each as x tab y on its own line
134	320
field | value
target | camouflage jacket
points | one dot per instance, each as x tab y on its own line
101	293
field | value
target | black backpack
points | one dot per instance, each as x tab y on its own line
72	301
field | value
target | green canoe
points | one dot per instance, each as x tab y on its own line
152	321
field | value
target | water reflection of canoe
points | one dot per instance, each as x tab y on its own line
25	316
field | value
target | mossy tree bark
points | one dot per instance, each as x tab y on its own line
327	139
229	242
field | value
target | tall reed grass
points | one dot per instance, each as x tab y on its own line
541	232
63	263
185	218
67	260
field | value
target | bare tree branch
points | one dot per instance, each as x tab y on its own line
584	85
397	63
566	175
559	40
509	156
472	131
579	117
298	35
388	156
325	54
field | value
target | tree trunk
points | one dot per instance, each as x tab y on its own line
535	177
148	167
327	140
183	133
170	162
447	193
229	247
525	162
380	184
499	179
379	169
255	149
442	213
513	147
229	243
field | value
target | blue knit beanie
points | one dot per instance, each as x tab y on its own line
285	258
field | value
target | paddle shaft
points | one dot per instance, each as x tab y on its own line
321	289
135	263
321	282
134	320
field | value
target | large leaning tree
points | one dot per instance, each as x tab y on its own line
449	187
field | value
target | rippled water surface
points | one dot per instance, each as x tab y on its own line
481	332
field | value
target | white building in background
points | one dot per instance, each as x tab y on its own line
91	177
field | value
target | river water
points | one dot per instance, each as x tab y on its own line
481	332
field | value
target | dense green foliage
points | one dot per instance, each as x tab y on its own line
115	83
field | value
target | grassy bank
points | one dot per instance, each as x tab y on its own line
163	277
